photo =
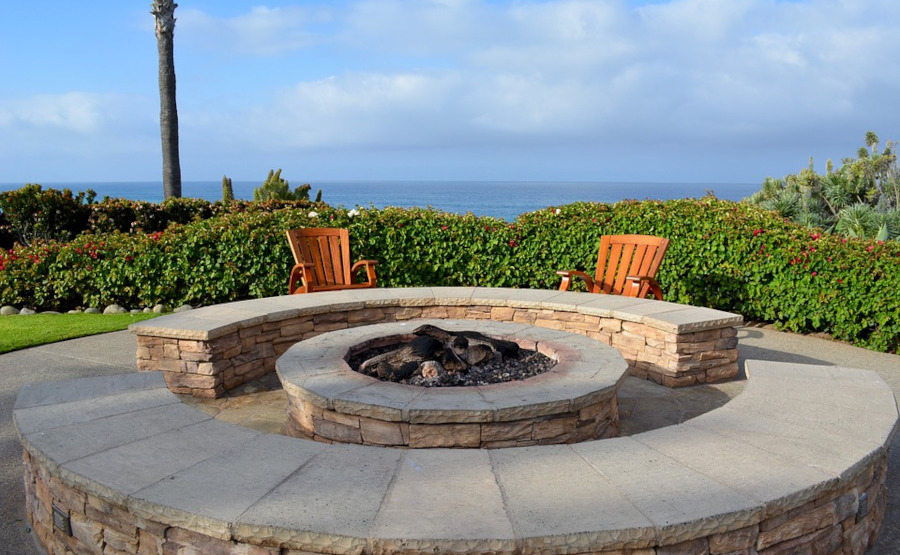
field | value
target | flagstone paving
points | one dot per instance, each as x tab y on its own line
262	404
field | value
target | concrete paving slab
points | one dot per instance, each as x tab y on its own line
335	497
754	472
45	417
569	300
276	308
382	400
325	387
552	491
375	297
828	451
184	325
123	470
836	412
523	298
67	391
605	305
444	494
197	498
433	406
83	438
643	312
667	492
690	319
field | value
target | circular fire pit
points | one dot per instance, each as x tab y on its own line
574	401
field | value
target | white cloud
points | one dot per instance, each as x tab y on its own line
76	112
262	31
715	76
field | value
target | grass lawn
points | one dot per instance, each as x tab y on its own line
19	332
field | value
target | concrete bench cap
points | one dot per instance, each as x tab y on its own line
218	320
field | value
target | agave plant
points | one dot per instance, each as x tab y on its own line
857	220
786	202
859	199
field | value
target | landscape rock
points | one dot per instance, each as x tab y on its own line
8	310
135	311
92	310
26	312
159	309
184	308
114	309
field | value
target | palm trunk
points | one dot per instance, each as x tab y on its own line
164	12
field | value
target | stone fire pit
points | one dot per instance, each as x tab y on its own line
574	401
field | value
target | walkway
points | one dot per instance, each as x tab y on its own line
644	406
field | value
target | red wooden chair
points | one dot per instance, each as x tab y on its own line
626	265
322	257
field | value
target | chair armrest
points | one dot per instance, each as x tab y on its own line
370	270
567	279
299	281
635	283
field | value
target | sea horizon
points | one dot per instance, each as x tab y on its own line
499	199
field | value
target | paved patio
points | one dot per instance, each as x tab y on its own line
643	405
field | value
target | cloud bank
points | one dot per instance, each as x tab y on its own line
709	90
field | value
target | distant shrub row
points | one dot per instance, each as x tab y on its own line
734	257
33	214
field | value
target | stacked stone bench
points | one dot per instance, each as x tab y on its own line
208	351
795	464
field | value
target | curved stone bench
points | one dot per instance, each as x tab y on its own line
208	351
795	463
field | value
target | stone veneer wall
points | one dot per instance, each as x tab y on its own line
597	420
209	368
843	521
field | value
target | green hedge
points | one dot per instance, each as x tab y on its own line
724	255
32	214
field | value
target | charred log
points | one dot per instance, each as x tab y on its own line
435	356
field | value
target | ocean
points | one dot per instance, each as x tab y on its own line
499	199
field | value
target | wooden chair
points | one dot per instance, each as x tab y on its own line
322	257
626	265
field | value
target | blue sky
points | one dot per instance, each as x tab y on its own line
705	91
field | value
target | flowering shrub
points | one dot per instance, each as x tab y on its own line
723	255
33	214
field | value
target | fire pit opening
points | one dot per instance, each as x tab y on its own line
434	357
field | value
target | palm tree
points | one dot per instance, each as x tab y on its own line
164	12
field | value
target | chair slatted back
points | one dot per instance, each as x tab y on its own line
627	255
327	249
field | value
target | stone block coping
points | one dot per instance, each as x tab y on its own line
208	351
795	463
